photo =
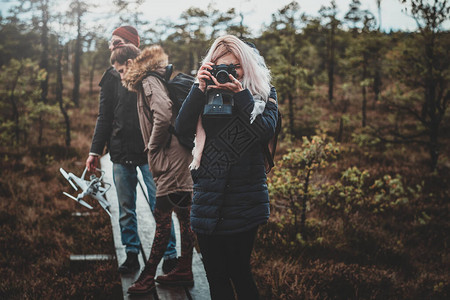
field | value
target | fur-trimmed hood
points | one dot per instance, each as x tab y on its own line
152	58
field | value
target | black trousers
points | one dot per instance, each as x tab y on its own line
226	259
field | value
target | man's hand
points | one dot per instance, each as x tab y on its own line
92	163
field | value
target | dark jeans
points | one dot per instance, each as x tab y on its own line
226	259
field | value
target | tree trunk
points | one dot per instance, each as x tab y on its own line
44	65
91	76
91	68
434	119
15	115
377	80
44	55
76	65
379	14
433	147
291	113
59	94
341	130
331	64
304	201
432	107
40	129
341	121
364	100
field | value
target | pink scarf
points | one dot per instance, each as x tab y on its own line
199	144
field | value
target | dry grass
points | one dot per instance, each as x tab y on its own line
402	254
38	230
399	254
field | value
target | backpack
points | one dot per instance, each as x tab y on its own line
178	88
271	147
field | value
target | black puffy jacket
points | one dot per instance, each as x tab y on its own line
230	189
118	123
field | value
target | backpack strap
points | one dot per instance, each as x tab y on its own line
169	70
165	80
270	148
269	160
154	74
167	75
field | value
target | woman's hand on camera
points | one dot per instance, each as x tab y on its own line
203	75
233	85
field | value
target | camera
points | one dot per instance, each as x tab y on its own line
221	72
220	104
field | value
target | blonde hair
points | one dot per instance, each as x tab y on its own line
256	76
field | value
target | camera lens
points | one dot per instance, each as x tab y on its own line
222	76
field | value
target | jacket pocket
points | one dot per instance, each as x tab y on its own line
159	162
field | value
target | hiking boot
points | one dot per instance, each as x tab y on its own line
169	265
180	276
130	265
145	284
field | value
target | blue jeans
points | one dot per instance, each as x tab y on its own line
125	181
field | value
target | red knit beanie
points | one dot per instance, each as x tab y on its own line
129	33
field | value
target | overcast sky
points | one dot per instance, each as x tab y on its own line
258	12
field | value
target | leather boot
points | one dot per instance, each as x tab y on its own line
169	265
130	265
145	284
180	276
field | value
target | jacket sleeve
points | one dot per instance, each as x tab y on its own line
105	116
186	122
161	107
264	123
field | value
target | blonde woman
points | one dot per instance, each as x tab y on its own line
230	192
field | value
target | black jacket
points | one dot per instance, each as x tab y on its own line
118	123
230	189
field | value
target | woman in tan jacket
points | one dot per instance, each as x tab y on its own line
168	161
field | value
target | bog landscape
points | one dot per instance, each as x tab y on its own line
360	195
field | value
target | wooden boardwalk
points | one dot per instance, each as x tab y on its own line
146	231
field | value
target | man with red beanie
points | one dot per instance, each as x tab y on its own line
125	34
118	128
